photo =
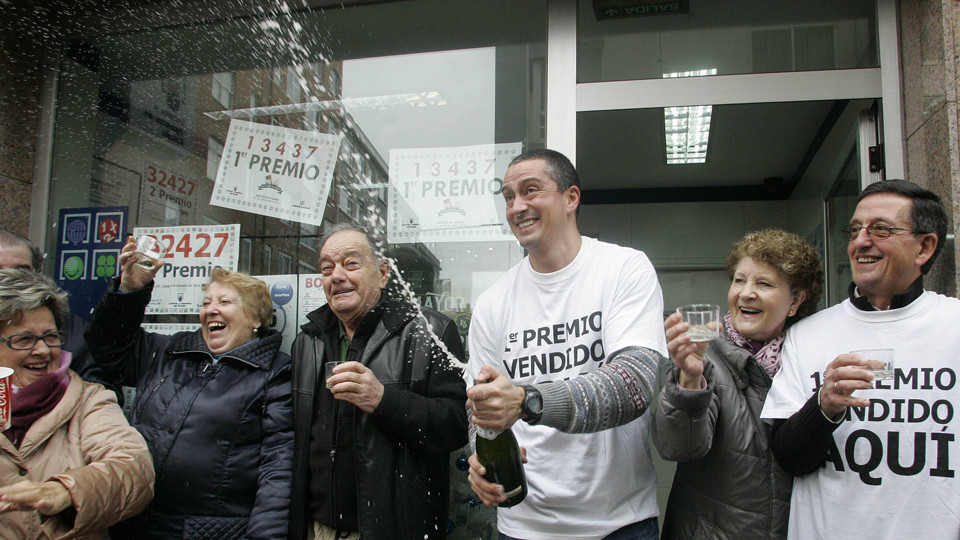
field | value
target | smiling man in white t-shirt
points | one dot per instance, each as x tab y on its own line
875	459
570	340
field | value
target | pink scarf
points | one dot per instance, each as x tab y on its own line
32	402
767	354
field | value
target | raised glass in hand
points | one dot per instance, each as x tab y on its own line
704	321
150	250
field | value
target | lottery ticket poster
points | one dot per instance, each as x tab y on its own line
449	194
194	251
276	171
310	296
168	197
283	291
89	241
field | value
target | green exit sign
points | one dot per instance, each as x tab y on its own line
617	9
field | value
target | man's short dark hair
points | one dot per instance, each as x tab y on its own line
10	238
558	167
927	213
378	246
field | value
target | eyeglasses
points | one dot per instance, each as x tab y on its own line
25	342
876	231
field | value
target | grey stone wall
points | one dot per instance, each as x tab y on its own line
929	40
21	56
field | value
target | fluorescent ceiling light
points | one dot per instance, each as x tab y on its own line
687	129
416	100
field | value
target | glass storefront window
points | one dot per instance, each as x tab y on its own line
143	123
647	40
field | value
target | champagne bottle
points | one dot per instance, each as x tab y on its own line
499	453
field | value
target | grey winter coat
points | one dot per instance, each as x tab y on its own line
727	484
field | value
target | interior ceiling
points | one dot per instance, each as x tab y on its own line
623	152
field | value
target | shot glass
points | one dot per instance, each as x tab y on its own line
704	321
328	370
150	250
883	355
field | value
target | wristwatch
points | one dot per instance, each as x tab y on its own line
532	405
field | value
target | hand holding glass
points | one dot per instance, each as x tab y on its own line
328	370
704	321
884	373
150	250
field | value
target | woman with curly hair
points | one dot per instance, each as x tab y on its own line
727	484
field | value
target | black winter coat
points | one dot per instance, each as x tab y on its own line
403	447
221	435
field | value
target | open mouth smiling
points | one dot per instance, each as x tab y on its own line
37	367
216	326
526	223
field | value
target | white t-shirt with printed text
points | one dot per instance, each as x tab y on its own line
892	470
537	327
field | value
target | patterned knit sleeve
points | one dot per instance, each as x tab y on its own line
608	397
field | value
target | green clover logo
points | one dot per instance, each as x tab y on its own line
106	266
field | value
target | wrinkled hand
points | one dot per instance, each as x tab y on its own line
47	497
842	377
686	355
490	494
354	382
134	277
495	404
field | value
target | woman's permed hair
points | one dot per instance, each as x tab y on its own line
23	290
254	294
793	256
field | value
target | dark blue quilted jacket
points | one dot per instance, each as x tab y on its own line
221	435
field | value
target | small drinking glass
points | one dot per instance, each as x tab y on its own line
150	249
704	321
328	370
884	373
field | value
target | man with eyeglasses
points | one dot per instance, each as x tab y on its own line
876	458
17	251
569	341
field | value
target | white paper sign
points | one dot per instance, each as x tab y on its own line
193	254
283	291
449	194
167	197
275	171
311	296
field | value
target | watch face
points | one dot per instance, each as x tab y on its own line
536	404
533	402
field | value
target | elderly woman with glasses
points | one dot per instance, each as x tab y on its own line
214	405
727	484
70	464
